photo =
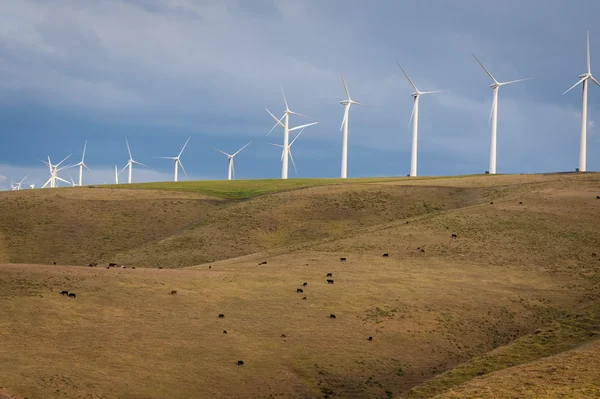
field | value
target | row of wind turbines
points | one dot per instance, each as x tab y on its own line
284	123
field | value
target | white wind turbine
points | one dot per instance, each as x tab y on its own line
54	172
289	150
178	162
130	162
583	78
231	168
116	175
82	165
31	186
346	103
13	186
414	118
18	185
494	114
286	130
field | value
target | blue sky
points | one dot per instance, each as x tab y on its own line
159	71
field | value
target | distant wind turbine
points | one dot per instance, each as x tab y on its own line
346	103
230	167
178	162
583	78
82	165
286	130
116	175
414	118
130	162
73	184
54	172
494	114
18	185
289	150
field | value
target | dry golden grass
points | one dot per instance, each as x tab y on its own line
463	303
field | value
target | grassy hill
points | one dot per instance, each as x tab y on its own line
512	301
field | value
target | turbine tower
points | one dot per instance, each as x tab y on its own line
494	114
346	103
231	168
414	118
178	161
82	165
286	131
130	162
289	150
54	172
116	175
584	78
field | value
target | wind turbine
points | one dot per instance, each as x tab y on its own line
54	172
82	165
73	184
18	185
494	114
583	78
231	168
414	118
13	186
289	150
286	130
116	175
130	162
346	103
31	186
178	161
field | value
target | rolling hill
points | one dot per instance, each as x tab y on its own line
508	307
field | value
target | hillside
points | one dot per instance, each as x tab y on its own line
514	296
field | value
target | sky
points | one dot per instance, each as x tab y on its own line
160	71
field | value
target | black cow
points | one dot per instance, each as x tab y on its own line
221	315
422	250
386	255
304	298
64	293
520	203
597	196
263	263
173	292
342	259
332	316
300	290
224	331
454	236
329	275
240	363
54	263
305	284
112	264
329	281
492	203
282	335
72	295
370	338
133	267
160	267
210	267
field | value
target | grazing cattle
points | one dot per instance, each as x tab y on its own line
300	290
221	315
64	293
224	331
332	316
72	295
210	267
108	267
54	263
597	196
160	267
406	222
370	338
342	259
385	255
305	284
492	203
112	264
263	263
240	363
422	250
123	267
329	275
282	335
304	298
133	267
329	281
418	248
173	292
520	203
454	236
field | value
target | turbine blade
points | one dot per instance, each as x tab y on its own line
434	91
139	163
295	138
277	121
413	112
61	179
48	182
410	81
125	167
276	145
85	166
222	152
589	64
486	71
594	80
514	81
284	100
186	143
63	160
303	126
346	108
128	149
297	114
572	87
182	168
293	163
167	158
346	88
84	148
357	103
240	150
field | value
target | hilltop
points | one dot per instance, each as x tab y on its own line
516	292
